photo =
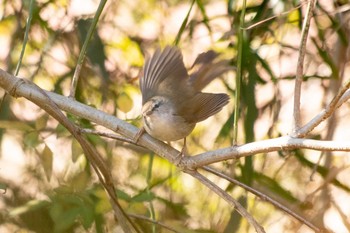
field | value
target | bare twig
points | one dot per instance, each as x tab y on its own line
262	196
84	48
300	66
26	34
213	187
342	96
109	135
273	17
137	216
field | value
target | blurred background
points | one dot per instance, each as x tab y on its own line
46	183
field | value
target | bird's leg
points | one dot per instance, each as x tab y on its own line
138	135
184	149
182	153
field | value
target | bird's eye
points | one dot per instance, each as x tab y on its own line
156	106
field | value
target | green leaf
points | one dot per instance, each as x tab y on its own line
76	150
29	206
275	187
19	125
46	158
143	196
204	14
3	187
323	171
31	139
41	122
66	219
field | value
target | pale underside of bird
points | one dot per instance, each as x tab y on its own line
172	101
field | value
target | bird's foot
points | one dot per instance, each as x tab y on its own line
138	135
180	156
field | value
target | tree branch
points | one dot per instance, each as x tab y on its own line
263	197
213	187
33	93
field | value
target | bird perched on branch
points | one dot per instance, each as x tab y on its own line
172	101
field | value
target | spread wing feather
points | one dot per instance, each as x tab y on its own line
162	72
203	105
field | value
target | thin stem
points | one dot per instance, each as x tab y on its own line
84	48
239	74
183	25
25	39
300	66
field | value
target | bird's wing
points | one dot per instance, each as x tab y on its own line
202	106
206	68
163	74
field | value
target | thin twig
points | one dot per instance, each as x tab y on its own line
300	65
273	17
239	74
109	135
338	100
26	35
240	209
262	196
137	216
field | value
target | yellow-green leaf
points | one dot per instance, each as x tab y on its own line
16	125
41	122
76	150
46	158
124	102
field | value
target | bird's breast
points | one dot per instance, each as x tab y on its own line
167	127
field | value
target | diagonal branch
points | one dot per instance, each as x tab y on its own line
240	209
342	96
263	197
14	87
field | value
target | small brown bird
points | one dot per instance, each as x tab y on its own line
172	101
